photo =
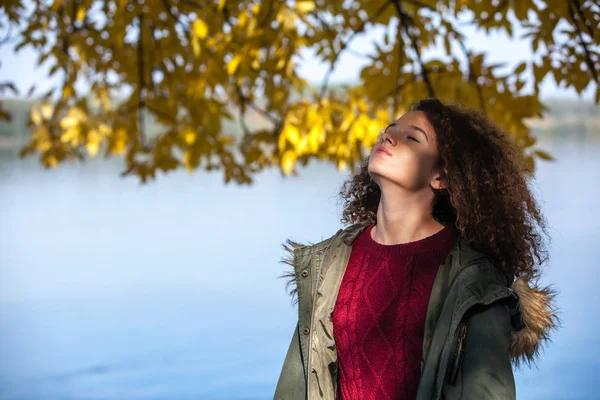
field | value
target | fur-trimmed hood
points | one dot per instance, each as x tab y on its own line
537	310
534	314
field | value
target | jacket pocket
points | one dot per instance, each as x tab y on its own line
456	356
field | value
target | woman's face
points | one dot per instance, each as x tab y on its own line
406	154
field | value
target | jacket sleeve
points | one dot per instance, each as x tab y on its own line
486	370
292	382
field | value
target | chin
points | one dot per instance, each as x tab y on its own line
376	171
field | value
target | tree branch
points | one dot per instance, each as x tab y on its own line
588	58
355	32
399	72
396	89
477	85
141	81
584	20
403	18
329	29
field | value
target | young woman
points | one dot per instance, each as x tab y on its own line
430	292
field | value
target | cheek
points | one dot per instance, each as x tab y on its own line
410	168
413	166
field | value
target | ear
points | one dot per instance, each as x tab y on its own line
438	181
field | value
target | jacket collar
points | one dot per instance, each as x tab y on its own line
349	234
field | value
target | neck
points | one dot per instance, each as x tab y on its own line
402	219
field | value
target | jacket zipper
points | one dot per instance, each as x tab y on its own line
458	353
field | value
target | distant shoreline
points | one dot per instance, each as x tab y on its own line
565	119
7	143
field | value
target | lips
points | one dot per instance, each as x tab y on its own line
383	150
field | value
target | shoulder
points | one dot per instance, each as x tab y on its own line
476	270
298	249
299	257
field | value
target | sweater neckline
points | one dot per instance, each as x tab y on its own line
444	235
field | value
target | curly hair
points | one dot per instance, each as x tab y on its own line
487	199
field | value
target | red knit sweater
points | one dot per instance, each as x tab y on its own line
379	315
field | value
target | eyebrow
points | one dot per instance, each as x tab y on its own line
412	126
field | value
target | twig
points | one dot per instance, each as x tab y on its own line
334	32
477	85
142	83
399	72
355	32
415	46
588	58
242	111
586	23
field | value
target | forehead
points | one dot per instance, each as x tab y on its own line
418	118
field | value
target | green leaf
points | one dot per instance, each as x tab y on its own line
543	155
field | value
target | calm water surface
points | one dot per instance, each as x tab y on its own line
113	290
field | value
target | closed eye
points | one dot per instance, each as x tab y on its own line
410	137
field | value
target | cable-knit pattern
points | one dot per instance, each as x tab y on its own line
379	315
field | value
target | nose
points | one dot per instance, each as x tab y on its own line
386	136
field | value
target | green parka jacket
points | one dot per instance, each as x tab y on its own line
477	325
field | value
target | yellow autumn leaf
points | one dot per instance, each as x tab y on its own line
347	121
80	14
189	135
232	66
36	118
289	134
47	110
67	91
280	64
544	155
93	144
196	47
71	136
292	134
187	162
56	5
68	122
251	27
287	161
302	143
289	69
105	99
199	28
51	161
120	141
314	138
242	19
221	5
104	129
305	6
